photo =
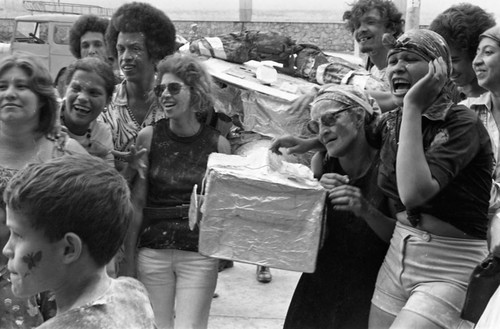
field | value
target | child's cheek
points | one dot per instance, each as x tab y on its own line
31	261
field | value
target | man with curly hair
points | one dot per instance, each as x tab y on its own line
139	36
86	37
368	20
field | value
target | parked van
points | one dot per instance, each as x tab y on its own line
45	36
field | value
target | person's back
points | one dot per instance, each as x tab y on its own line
117	308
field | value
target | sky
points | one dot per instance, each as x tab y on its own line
428	8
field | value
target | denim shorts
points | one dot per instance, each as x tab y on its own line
428	275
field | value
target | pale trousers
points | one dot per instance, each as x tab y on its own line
181	285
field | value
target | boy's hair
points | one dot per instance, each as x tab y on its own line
40	82
141	17
193	73
81	194
388	11
93	65
84	24
461	25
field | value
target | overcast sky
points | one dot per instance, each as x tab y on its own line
429	8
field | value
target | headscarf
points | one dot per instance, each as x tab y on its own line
348	95
426	43
492	33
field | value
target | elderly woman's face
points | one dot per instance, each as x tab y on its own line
18	103
404	69
92	45
337	128
487	64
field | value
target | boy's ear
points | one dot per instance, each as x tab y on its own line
72	248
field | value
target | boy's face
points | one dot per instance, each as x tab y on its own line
34	262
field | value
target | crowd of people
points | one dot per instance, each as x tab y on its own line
97	170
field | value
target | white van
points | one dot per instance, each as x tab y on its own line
45	36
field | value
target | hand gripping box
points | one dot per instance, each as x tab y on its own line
261	213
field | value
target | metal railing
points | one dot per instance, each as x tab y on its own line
66	8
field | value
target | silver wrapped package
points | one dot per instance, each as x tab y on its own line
260	210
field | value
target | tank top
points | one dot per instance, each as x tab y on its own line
176	164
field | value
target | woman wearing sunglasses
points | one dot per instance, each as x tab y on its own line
168	262
436	169
338	293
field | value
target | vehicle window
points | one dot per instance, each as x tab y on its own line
61	34
32	32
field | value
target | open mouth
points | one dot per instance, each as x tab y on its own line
168	104
127	67
363	39
400	86
81	109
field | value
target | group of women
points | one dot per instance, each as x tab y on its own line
434	167
408	191
163	99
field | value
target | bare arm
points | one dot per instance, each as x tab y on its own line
415	182
384	100
494	234
139	192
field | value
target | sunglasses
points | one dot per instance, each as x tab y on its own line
174	88
327	120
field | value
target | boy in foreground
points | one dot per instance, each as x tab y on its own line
67	218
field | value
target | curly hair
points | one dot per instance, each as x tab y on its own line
84	24
141	17
191	71
95	65
40	82
387	9
461	25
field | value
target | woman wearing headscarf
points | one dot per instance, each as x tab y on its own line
486	65
435	166
338	293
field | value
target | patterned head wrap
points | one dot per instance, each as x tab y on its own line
492	33
427	44
350	96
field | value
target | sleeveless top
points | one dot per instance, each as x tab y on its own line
176	164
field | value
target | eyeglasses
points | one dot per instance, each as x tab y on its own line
174	88
327	120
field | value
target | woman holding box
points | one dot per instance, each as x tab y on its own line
338	293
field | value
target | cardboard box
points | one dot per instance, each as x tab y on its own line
254	214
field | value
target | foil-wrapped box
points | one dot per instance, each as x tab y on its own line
260	210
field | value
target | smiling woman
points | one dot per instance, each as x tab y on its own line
90	84
28	133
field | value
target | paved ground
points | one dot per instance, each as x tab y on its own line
244	303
